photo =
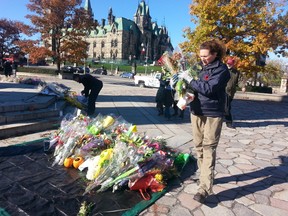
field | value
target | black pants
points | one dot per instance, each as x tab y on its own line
92	100
228	115
7	73
160	108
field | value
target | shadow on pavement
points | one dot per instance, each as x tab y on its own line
267	176
188	170
258	110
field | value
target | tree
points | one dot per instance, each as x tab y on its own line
9	35
249	29
272	73
63	25
35	51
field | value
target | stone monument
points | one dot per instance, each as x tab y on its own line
284	84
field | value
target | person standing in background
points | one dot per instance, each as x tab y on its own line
231	90
159	99
7	68
168	99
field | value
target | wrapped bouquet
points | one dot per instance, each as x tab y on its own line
175	63
76	100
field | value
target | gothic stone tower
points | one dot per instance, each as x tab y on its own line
122	39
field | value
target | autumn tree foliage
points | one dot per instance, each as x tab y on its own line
63	25
249	29
9	35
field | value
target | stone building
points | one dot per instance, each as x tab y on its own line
122	39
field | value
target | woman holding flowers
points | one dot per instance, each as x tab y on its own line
207	111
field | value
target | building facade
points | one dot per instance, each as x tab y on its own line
124	39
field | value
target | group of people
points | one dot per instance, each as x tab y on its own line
214	91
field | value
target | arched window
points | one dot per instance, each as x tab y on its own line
102	44
94	44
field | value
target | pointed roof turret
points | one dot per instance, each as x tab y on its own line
87	6
143	9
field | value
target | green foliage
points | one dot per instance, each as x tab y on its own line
37	70
122	67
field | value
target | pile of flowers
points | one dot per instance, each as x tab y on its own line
113	155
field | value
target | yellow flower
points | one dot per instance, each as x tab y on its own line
159	177
105	155
108	121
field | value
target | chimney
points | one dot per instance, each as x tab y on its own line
103	23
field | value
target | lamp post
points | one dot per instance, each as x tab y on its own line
144	51
27	57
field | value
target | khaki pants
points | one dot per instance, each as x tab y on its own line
206	134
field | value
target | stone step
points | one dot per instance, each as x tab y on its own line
52	110
35	102
27	127
36	125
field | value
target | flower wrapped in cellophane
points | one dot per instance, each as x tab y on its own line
170	62
176	63
76	100
71	131
113	155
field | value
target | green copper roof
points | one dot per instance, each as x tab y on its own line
121	24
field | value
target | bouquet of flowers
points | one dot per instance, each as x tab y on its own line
76	100
175	63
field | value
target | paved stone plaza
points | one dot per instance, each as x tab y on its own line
252	160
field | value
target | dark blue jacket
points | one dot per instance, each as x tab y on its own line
210	90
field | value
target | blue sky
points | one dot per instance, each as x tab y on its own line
174	14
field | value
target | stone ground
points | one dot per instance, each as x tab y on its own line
251	176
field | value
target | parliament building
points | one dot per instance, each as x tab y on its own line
121	39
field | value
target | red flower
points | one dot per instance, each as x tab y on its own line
206	77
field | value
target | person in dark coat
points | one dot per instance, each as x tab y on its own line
231	90
160	98
207	111
7	68
168	99
92	87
